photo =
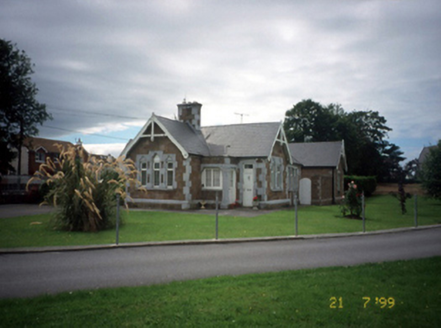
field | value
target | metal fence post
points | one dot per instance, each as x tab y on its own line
297	219
415	210
362	212
117	218
217	216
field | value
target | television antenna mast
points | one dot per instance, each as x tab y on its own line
241	116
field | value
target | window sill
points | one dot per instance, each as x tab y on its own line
161	188
212	188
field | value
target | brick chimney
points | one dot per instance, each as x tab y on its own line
190	112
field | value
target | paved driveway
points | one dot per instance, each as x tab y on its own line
13	210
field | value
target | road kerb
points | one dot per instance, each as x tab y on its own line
46	249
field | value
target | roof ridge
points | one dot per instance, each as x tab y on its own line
168	119
315	142
240	124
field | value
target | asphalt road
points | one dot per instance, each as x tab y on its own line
24	275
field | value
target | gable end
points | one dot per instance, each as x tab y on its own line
154	129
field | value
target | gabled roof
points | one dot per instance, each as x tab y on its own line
184	136
237	140
241	140
48	145
319	154
189	138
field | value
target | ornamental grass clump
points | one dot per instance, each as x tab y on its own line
351	205
84	190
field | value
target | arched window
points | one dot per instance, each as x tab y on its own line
170	172
143	173
156	171
276	173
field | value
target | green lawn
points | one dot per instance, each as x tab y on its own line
410	292
382	212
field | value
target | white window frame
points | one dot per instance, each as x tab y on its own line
276	175
144	173
40	157
209	178
170	173
160	170
156	172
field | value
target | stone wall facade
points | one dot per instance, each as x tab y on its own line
326	184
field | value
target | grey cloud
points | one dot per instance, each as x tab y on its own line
138	57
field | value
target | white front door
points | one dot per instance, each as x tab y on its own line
248	185
232	190
305	191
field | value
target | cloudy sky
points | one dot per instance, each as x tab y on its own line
103	67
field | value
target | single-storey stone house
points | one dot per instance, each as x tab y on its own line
323	167
183	165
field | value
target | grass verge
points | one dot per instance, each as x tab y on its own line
382	212
287	299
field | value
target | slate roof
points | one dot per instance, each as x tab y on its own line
190	139
241	140
33	143
317	154
236	140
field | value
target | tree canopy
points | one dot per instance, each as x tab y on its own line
20	112
365	133
431	172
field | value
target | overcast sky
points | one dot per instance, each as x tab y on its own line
103	67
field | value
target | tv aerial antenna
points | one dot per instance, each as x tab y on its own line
241	116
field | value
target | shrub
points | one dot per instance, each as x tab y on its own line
84	192
365	184
351	201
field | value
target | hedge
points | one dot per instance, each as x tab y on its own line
366	184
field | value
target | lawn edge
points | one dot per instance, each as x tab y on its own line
46	249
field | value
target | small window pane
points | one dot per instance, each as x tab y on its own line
279	176
170	178
208	178
156	178
216	178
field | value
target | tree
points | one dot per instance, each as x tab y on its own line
7	155
365	132
392	156
20	112
431	172
309	121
